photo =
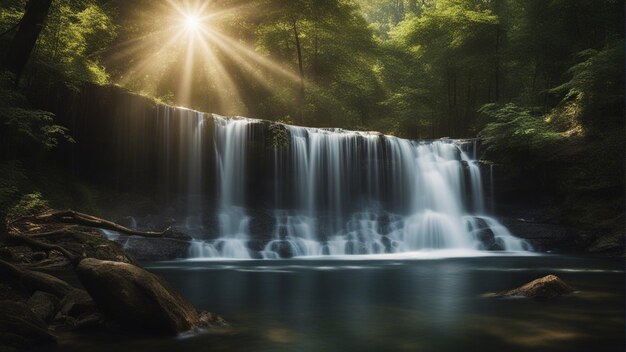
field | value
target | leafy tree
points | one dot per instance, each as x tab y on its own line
596	84
22	126
23	42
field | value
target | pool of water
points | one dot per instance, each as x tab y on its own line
391	304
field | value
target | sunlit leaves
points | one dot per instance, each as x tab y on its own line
513	129
74	35
597	80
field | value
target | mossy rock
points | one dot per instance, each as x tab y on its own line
92	244
277	136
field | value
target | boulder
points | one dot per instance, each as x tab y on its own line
136	298
77	304
488	240
20	328
546	287
43	304
145	249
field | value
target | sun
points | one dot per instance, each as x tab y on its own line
192	22
192	43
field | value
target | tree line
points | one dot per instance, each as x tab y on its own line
413	68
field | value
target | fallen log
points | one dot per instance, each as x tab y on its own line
76	218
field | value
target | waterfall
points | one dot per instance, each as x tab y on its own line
326	192
182	150
231	137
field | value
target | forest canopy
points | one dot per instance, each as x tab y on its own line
413	68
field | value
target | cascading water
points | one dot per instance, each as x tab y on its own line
231	140
335	192
187	140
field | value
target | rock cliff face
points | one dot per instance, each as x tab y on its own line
127	143
526	202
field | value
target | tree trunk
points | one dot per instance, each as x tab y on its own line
24	41
301	67
497	65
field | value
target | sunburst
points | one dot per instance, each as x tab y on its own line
187	37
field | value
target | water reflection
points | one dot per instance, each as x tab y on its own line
424	305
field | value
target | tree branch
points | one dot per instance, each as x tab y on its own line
76	218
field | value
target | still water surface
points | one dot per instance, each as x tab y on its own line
391	304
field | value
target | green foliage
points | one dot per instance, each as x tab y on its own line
597	84
75	33
30	204
70	44
278	136
414	68
31	184
12	175
10	15
338	54
513	130
24	125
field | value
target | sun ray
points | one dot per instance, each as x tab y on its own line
229	44
223	80
147	63
190	37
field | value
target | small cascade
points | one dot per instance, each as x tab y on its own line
293	237
504	238
231	137
476	184
327	192
202	249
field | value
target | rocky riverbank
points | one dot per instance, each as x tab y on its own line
113	293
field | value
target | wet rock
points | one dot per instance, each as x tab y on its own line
77	304
43	305
144	249
356	247
488	240
546	287
608	244
284	249
543	236
211	320
90	243
20	328
177	235
136	298
82	242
